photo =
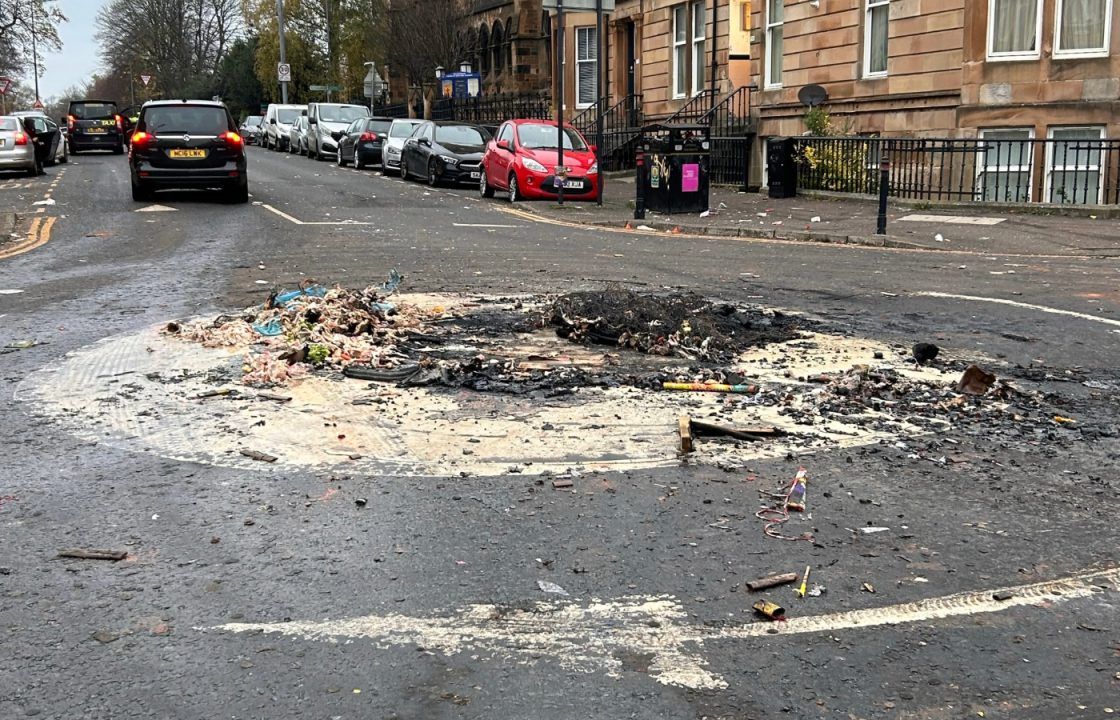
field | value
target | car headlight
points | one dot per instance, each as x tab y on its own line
594	169
449	160
392	150
533	165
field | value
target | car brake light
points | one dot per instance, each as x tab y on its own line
21	138
232	139
140	138
368	137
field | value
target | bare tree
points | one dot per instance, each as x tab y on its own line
426	34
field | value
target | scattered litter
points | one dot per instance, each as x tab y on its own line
710	387
552	588
975	381
561	484
873	530
750	434
815	219
1003	595
93	554
817	591
706	213
771	581
256	455
777	512
684	430
940	238
867	588
22	344
360	502
804	582
48	201
771	610
921	580
1061	420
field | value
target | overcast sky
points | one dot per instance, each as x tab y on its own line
79	58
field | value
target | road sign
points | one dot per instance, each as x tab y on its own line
284	72
38	105
325	88
145	79
579	5
5	85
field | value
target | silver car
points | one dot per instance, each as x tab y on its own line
44	126
399	131
297	136
17	151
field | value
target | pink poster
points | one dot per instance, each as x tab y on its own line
690	177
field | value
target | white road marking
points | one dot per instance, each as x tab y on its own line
157	208
297	221
589	637
1026	306
953	219
10	291
484	225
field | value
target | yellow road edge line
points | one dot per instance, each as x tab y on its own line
38	235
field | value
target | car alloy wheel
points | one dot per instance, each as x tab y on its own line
404	169
433	178
484	188
514	196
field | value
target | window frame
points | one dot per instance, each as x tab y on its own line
1103	51
1050	157
679	49
591	29
870	5
983	169
1014	56
768	82
698	65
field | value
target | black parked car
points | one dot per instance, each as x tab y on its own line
361	142
445	152
187	144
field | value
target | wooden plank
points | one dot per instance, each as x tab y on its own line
684	427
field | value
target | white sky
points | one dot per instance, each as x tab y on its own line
79	58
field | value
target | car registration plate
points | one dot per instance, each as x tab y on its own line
573	184
476	175
186	153
96	131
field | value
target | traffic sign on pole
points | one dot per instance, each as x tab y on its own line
38	105
284	72
5	85
145	79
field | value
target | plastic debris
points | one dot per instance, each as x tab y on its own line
873	530
817	591
975	381
710	387
774	611
776	513
552	588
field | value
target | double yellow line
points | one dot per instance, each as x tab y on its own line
38	235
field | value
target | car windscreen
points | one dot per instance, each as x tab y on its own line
287	115
253	121
378	125
544	136
402	129
185	120
9	124
92	110
461	136
341	113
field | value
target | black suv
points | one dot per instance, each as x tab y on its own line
95	125
187	144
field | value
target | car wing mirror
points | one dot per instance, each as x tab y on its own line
272	121
593	149
503	144
312	120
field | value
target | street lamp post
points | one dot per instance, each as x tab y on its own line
283	48
35	53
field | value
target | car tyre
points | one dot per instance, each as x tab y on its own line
238	194
140	193
514	193
484	188
359	164
340	161
65	154
433	178
404	169
118	149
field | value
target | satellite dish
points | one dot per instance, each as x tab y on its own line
812	95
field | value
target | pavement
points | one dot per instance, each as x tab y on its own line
845	220
258	590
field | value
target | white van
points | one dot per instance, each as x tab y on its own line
326	123
278	120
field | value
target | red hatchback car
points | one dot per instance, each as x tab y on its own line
522	160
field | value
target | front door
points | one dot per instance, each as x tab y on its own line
631	66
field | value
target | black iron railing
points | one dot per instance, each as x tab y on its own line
1069	170
397	110
493	110
621	133
694	111
731	139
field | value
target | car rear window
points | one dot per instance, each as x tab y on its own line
92	110
185	120
378	125
403	129
461	135
9	124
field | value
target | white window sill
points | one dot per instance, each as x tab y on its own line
583	106
1080	54
1013	58
773	87
679	96
875	76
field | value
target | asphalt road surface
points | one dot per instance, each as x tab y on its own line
267	592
